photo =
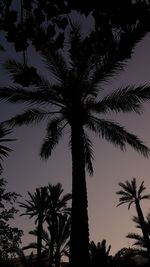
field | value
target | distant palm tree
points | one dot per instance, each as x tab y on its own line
4	151
75	101
132	194
62	238
60	243
99	254
37	207
58	206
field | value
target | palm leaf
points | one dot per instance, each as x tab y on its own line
54	133
88	153
128	99
139	239
117	135
16	94
31	116
55	63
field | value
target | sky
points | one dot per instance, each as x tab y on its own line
25	171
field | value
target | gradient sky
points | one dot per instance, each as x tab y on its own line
24	170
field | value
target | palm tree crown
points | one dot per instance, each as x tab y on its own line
130	193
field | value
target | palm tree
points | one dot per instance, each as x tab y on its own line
60	243
99	254
4	151
139	239
58	206
74	101
132	194
37	207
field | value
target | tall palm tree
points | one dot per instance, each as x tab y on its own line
37	207
132	194
4	150
75	102
58	206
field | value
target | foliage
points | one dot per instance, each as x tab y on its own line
130	193
78	82
10	237
49	206
46	21
61	239
4	151
99	254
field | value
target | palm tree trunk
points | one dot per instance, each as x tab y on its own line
143	226
57	259
52	234
39	241
79	240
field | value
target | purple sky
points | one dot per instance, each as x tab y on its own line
24	170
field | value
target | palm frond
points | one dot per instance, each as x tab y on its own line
88	152
145	196
139	239
30	116
17	94
4	151
117	135
55	63
54	133
141	188
106	67
128	99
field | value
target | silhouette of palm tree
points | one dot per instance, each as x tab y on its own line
74	101
99	253
37	207
132	194
61	240
58	206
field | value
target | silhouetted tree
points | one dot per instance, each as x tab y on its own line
58	206
37	206
75	102
132	194
10	237
60	242
99	254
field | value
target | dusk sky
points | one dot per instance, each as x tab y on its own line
24	170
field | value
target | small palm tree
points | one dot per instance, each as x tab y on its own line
99	254
58	206
60	243
37	207
132	194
